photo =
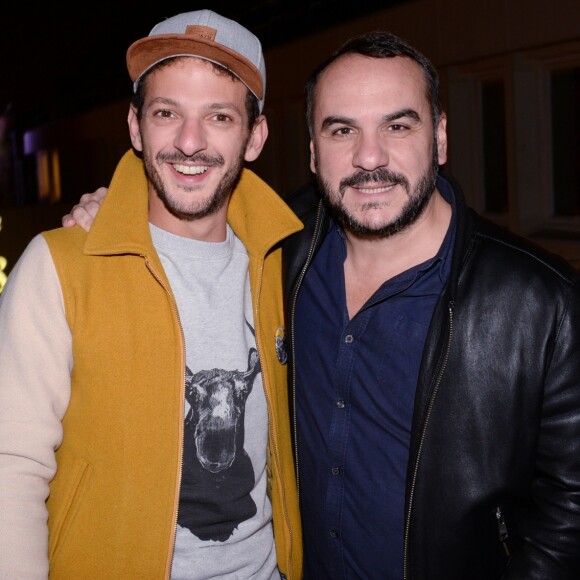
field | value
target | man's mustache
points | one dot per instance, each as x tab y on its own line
380	175
201	158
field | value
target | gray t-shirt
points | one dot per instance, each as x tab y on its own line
225	517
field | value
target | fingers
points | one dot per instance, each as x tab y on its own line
100	193
84	212
67	220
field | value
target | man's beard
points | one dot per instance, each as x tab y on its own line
193	210
413	208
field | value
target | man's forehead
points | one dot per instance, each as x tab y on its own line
370	70
203	71
353	81
194	62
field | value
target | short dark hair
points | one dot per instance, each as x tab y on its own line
378	44
252	105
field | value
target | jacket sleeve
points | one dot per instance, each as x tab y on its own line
35	367
551	533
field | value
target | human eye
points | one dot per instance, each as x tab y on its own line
402	123
222	118
341	132
163	113
398	127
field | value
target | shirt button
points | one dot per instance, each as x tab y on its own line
340	404
348	338
333	534
335	471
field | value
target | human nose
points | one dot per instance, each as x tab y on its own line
191	137
370	152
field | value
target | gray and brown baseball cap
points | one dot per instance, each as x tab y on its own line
203	34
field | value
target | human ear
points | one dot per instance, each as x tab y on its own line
312	157
442	140
257	139
134	131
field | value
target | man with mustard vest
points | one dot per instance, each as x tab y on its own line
144	425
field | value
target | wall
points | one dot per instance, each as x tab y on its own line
455	35
519	39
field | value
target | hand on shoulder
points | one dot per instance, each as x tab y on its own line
84	212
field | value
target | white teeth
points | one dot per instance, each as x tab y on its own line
191	170
375	189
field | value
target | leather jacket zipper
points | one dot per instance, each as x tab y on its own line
502	529
305	267
422	440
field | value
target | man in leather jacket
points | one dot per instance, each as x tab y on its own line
434	358
485	428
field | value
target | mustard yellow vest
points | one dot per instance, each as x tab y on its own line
113	503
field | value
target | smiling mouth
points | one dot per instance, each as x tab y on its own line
190	169
372	190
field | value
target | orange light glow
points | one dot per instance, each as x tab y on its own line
3	264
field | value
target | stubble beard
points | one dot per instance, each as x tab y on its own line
194	209
411	211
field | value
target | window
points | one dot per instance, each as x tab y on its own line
494	147
480	132
514	135
565	108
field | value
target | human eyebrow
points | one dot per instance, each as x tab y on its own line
402	114
329	121
225	108
221	105
163	101
395	116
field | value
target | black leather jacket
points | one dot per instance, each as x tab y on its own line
493	481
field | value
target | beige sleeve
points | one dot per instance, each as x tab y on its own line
35	367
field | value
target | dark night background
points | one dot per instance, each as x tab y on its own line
56	62
60	67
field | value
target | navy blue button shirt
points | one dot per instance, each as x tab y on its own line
356	382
